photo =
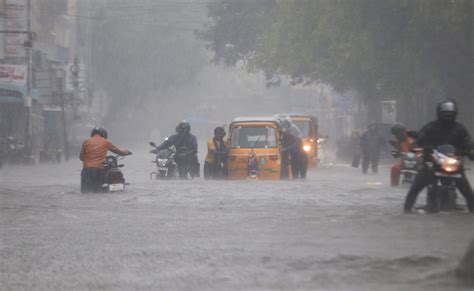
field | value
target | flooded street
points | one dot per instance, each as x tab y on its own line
339	230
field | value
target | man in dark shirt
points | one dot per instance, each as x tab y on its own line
444	130
186	150
371	144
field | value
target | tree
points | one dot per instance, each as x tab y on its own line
391	49
235	28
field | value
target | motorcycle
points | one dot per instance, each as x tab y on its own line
166	166
184	160
410	166
410	163
113	178
14	152
447	167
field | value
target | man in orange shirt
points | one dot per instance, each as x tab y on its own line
93	154
404	145
214	166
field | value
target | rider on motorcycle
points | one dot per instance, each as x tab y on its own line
93	154
184	140
404	145
214	166
444	130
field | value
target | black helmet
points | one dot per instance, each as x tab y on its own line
447	110
399	131
219	132
184	127
100	131
397	128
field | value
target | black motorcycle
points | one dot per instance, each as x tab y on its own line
447	167
166	166
113	178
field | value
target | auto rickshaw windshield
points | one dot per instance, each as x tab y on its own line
305	128
254	137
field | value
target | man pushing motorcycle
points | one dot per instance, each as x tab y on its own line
186	150
93	154
444	130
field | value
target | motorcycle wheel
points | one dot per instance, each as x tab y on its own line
433	199
448	199
407	178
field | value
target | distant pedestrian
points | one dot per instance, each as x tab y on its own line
371	144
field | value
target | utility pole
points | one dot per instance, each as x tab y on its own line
60	74
29	101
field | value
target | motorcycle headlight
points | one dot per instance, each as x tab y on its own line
450	164
411	155
162	162
307	148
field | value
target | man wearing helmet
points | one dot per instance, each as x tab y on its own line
187	148
93	154
404	145
444	130
214	166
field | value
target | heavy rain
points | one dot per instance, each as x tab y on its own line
236	145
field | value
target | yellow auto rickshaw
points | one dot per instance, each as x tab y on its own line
305	126
254	151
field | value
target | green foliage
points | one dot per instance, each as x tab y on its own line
235	28
390	49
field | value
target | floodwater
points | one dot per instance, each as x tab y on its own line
338	230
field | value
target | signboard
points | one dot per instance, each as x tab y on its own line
389	112
16	19
13	74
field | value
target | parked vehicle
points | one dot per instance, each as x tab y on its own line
113	179
14	152
166	166
51	156
254	150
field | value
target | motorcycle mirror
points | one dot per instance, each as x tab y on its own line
412	134
152	144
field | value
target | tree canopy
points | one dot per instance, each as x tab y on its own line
390	49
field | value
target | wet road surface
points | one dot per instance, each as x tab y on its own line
339	230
